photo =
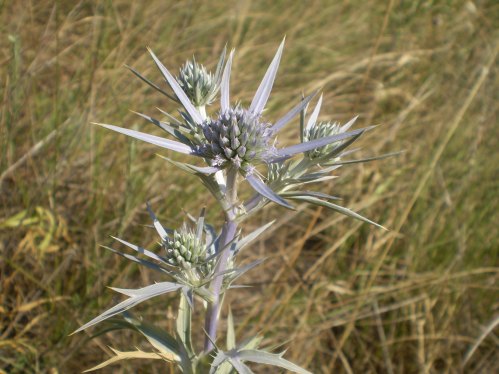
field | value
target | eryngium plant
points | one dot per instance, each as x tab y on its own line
237	144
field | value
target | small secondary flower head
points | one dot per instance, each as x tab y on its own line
184	249
200	86
237	137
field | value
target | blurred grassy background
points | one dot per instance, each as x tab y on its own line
348	297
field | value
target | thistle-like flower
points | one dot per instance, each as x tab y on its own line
238	137
321	130
185	249
200	86
200	262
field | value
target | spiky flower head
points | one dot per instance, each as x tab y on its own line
184	249
200	86
321	130
237	137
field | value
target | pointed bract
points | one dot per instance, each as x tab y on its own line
292	113
224	86
263	92
152	139
264	190
315	114
184	100
285	153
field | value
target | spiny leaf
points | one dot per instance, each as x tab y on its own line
159	338
263	357
224	87
150	265
240	367
183	323
338	208
157	225
315	114
144	79
231	335
263	92
141	250
152	139
292	113
166	127
285	153
136	297
264	190
193	112
252	236
119	356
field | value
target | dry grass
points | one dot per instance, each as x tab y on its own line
350	298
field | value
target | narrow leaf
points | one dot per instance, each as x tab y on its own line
252	236
263	92
119	356
144	79
285	153
157	225
337	208
224	87
166	127
152	139
200	224
149	264
309	193
220	64
231	335
159	338
349	124
184	100
264	190
262	357
141	250
240	367
292	113
368	159
149	291
139	296
315	114
183	323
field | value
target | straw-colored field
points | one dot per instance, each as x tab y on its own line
346	296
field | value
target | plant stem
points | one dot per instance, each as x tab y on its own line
228	233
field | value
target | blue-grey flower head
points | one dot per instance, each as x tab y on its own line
200	86
237	137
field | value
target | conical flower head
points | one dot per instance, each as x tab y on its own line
185	249
319	131
199	85
237	137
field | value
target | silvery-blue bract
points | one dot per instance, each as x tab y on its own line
237	137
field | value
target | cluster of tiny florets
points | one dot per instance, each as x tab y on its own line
318	131
237	137
184	249
198	84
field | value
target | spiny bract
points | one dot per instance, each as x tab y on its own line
237	137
